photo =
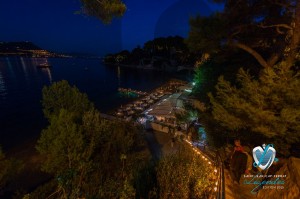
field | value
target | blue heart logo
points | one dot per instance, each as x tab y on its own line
264	157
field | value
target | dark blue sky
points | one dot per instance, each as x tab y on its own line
52	24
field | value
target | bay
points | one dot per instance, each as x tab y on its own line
21	83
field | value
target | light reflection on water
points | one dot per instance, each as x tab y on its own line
2	87
24	68
48	71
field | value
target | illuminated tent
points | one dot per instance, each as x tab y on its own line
167	107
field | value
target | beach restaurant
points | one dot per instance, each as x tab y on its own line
164	111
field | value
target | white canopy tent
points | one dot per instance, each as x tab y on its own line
167	107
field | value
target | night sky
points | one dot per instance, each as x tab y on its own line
53	24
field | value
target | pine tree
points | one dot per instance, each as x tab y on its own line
267	30
268	106
105	10
87	155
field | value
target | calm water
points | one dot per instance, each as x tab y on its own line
21	84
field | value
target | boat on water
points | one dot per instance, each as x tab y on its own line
44	65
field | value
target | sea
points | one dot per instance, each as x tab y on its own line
21	84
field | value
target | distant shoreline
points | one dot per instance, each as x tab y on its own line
139	67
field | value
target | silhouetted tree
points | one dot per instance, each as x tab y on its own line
105	10
87	155
60	95
268	30
268	106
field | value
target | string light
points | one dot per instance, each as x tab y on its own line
203	157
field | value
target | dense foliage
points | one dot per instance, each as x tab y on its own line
87	155
158	51
184	175
262	103
267	30
268	106
62	96
105	10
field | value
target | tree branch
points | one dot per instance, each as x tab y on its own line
273	60
295	37
284	5
279	31
251	51
56	192
276	26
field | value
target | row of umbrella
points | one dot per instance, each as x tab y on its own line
140	105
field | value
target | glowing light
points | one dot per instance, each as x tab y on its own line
215	170
193	83
215	189
209	162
